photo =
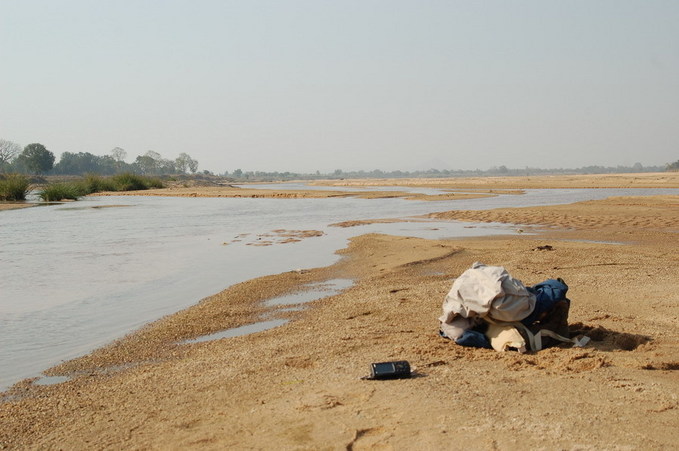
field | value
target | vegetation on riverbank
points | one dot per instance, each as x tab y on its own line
72	190
14	187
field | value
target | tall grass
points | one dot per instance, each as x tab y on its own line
14	187
94	183
133	182
62	191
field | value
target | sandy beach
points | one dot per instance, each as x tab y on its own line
299	387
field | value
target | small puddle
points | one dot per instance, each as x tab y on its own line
293	308
54	380
50	380
434	273
239	331
615	243
317	291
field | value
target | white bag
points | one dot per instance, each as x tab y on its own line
487	291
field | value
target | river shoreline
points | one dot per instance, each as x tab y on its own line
298	385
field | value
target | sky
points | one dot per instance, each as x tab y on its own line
321	85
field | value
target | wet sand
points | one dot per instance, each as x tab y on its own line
298	386
13	205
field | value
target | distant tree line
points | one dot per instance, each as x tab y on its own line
239	174
36	159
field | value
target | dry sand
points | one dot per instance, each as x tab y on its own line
297	386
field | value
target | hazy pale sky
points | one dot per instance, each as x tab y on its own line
302	85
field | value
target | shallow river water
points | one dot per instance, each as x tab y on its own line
78	275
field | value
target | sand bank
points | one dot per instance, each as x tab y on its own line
454	188
297	386
14	205
254	192
640	180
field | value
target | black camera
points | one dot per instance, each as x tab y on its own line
390	370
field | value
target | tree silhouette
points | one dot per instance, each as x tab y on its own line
37	158
8	151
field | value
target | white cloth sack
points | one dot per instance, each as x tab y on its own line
456	327
487	291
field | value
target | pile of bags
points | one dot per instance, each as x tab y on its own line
488	308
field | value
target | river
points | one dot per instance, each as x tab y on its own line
75	276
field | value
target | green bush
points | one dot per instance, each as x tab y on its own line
61	191
133	182
128	182
94	184
14	187
154	183
54	192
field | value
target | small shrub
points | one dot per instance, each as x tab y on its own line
133	182
154	183
128	182
94	184
61	191
14	187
